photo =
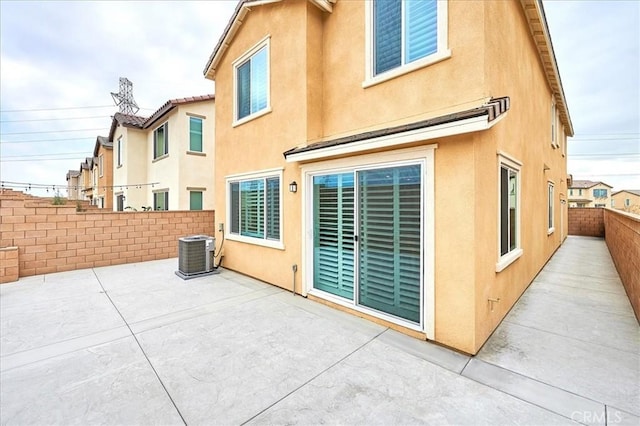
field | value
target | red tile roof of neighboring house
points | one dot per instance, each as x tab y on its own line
170	104
583	184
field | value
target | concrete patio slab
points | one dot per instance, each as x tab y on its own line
134	344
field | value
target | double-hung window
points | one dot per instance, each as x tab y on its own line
508	212
161	141
195	134
550	208
161	200
405	35
251	83
255	209
100	165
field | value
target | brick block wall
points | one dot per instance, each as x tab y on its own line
8	264
588	222
59	238
623	241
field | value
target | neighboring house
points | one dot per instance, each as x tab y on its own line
73	185
164	162
103	173
403	161
86	179
626	199
586	193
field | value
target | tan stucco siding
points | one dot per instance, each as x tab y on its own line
133	169
513	68
105	182
450	85
258	144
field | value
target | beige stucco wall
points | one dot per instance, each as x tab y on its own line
105	182
621	197
133	169
492	55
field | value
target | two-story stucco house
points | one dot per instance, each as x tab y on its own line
73	185
586	193
403	161
164	162
626	199
103	173
86	180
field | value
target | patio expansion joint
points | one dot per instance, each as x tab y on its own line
564	336
314	377
141	348
532	391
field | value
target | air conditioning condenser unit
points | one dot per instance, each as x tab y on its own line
196	256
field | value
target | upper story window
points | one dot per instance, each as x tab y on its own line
100	165
550	208
599	193
251	83
195	134
119	145
509	212
404	35
161	141
554	136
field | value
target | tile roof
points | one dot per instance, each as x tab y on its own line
172	103
630	191
128	120
583	184
72	173
492	109
102	141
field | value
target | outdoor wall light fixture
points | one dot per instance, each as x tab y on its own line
293	187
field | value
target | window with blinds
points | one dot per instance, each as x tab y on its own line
255	208
389	236
368	238
333	221
252	84
403	32
161	141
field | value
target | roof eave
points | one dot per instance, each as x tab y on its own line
534	12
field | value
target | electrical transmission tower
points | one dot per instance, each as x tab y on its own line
124	97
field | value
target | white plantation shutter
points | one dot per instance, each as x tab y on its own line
389	236
273	208
333	234
252	208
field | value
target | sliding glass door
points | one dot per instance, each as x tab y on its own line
368	238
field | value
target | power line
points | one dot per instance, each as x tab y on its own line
51	131
54	119
56	109
44	155
49	140
622	154
2	160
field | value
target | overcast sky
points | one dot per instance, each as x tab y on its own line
56	56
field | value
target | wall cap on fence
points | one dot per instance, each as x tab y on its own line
631	216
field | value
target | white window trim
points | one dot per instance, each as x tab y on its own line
551	206
513	255
166	142
277	172
424	154
120	156
554	125
441	54
101	165
241	60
